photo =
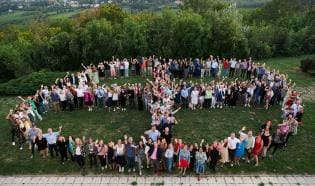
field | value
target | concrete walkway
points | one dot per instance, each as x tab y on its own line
150	180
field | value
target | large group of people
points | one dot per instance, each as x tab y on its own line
167	90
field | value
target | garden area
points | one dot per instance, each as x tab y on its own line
192	127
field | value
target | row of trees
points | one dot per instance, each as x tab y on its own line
209	27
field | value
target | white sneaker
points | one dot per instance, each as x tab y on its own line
119	169
140	173
13	143
122	169
21	148
129	170
134	170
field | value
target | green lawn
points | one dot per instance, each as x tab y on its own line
298	157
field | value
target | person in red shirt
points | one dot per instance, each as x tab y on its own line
226	66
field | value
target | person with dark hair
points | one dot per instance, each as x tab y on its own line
62	149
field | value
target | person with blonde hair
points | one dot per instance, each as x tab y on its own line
79	152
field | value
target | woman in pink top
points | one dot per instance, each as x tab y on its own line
88	98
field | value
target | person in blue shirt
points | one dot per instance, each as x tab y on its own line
51	138
153	133
184	93
240	149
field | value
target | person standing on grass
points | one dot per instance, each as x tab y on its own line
79	153
266	137
88	98
55	99
111	155
70	144
155	154
259	144
51	138
120	156
232	67
33	133
115	99
62	148
232	141
184	160
101	153
13	125
92	152
201	158
214	156
122	99
140	154
41	144
240	149
224	153
249	145
131	154
169	154
194	98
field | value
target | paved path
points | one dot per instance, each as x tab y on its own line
149	180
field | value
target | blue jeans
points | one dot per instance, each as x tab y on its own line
200	168
169	163
131	162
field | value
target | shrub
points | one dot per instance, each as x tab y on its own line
27	85
308	66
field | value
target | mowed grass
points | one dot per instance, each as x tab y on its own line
215	124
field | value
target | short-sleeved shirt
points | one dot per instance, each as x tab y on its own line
232	143
51	137
154	135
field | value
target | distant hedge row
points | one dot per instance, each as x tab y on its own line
308	66
27	85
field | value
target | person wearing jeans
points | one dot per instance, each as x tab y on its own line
131	154
169	154
32	133
201	159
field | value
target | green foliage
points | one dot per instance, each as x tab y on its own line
199	28
27	85
308	65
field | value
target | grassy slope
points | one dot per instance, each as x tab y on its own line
193	126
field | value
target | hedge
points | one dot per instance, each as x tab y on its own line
308	66
28	84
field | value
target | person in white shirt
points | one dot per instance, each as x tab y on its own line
214	68
169	154
232	141
80	95
126	64
232	67
194	98
208	67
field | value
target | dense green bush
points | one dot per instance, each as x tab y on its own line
27	85
198	29
308	65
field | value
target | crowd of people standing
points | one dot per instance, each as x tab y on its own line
235	82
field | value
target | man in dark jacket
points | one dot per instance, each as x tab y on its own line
155	154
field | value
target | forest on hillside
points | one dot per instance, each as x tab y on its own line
279	28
